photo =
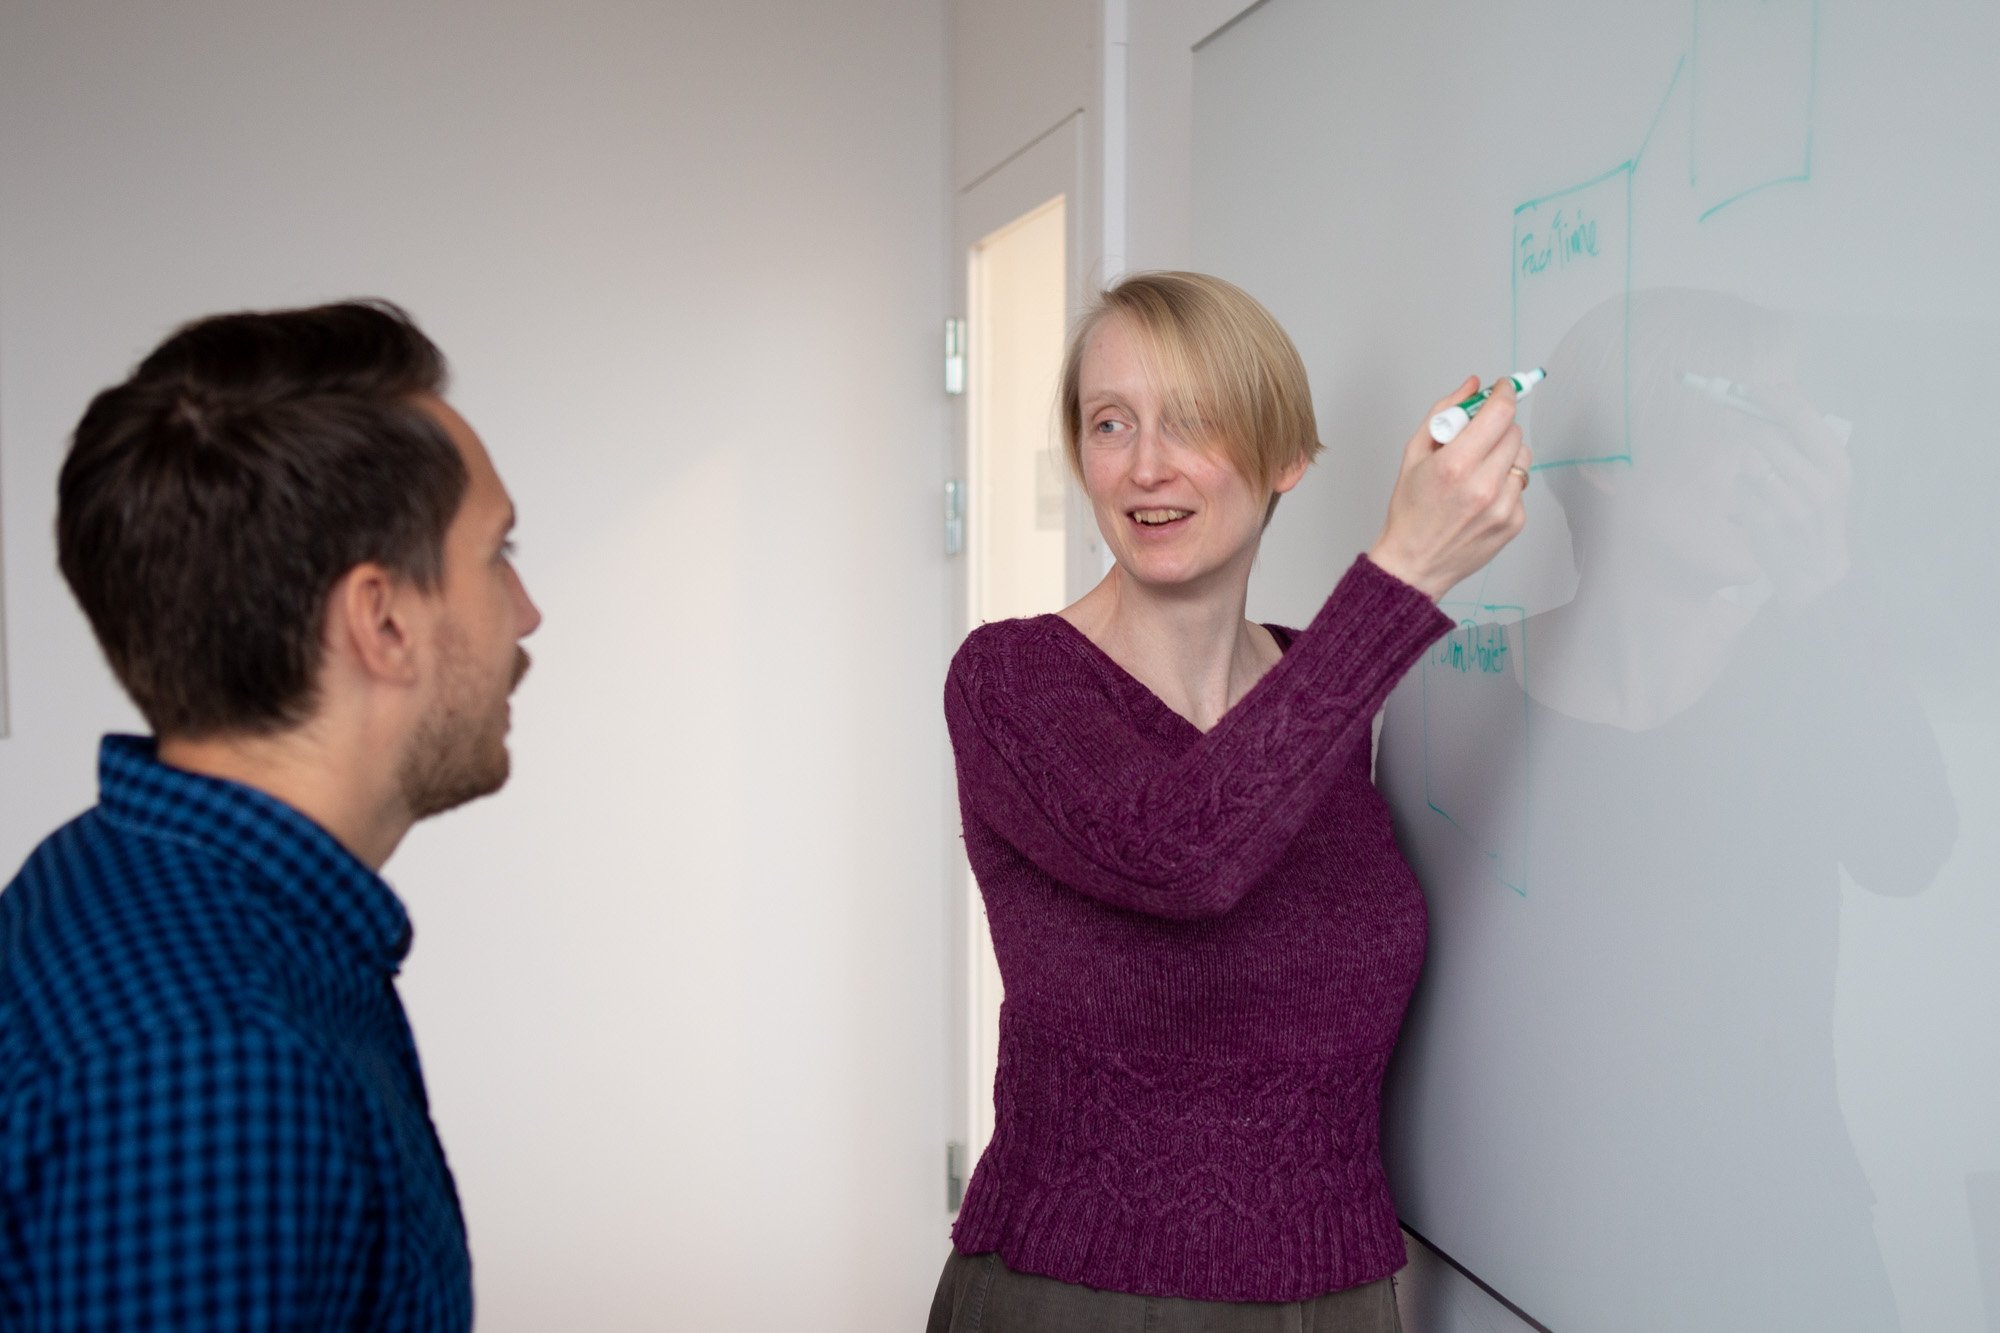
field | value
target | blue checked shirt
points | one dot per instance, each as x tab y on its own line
211	1113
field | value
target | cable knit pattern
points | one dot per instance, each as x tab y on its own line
1207	940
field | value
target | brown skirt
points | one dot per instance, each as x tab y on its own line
979	1294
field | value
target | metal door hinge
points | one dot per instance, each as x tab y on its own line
954	517
954	1175
954	356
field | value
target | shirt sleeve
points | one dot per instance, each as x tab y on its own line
204	1181
1067	781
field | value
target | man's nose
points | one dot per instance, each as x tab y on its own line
531	615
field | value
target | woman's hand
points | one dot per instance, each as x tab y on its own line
1455	505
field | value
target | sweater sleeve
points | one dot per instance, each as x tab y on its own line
1069	783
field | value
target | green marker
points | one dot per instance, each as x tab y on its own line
1446	425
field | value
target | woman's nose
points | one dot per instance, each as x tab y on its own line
1151	463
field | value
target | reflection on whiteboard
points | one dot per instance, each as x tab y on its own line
1720	742
1702	786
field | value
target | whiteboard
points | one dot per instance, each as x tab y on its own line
1704	791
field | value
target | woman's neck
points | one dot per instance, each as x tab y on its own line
1192	648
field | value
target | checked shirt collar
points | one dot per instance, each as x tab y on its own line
320	882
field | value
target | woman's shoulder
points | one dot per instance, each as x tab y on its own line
1030	656
1003	640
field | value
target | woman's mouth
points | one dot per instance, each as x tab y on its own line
1159	518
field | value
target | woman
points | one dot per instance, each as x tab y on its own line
1205	928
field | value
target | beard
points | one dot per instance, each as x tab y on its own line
458	752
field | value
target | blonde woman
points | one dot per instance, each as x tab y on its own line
1206	931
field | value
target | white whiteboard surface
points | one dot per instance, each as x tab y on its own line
1705	791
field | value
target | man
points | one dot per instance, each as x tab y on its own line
295	556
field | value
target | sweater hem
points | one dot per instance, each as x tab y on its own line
1022	1255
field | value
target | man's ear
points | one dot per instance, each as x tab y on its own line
371	622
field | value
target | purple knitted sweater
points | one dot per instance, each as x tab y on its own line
1207	941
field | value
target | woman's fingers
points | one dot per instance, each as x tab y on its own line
1475	469
1483	434
1421	446
1499	454
1490	475
1456	504
1466	388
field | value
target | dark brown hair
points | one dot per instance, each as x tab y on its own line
209	504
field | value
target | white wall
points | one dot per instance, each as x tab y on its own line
1018	68
677	988
1160	111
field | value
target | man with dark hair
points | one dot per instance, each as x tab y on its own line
296	558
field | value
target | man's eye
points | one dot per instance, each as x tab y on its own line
507	549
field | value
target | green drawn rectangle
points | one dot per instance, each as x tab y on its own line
1799	177
1444	657
1625	169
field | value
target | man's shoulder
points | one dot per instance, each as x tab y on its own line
110	933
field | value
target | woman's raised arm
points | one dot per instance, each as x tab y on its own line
1060	773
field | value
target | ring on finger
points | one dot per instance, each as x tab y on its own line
1521	472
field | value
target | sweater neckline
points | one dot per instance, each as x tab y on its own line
1133	685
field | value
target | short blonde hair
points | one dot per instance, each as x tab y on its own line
1228	374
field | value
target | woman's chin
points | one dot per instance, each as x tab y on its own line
1168	576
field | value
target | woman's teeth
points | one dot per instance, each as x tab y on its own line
1152	518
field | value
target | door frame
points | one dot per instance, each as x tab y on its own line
1055	163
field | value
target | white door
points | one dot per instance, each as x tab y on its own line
1030	545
